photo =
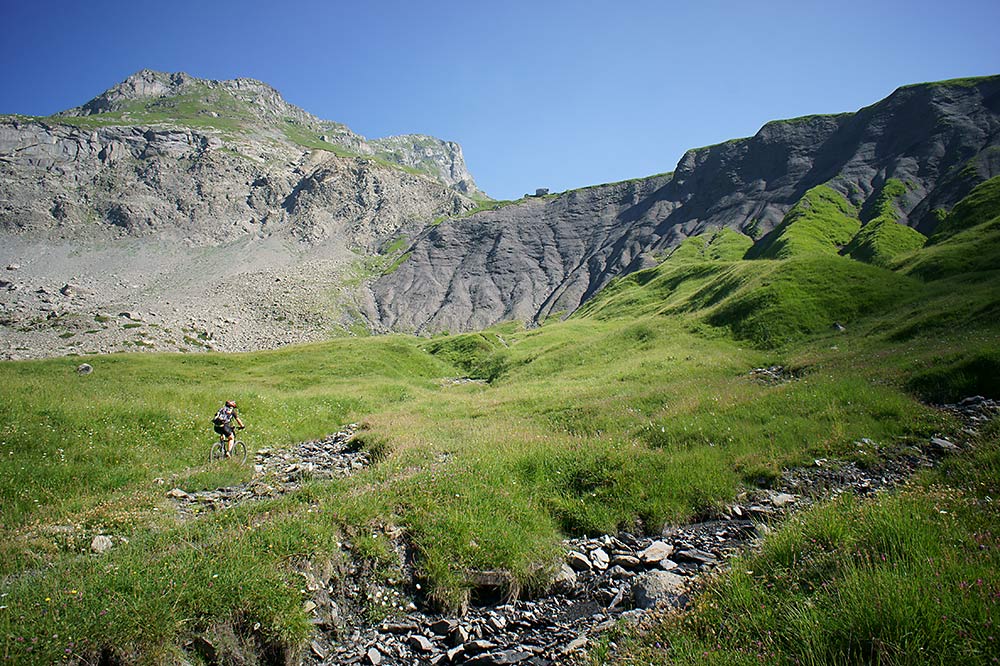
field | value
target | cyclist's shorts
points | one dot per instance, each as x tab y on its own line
224	429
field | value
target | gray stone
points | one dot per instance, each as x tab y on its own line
566	579
578	561
459	636
318	649
656	551
696	555
626	561
480	645
513	656
373	657
443	627
575	645
657	587
84	369
667	564
177	493
599	558
782	499
101	544
421	643
942	444
70	289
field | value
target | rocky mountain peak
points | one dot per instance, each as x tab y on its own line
152	97
428	153
146	88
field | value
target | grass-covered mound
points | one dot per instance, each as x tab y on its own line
967	241
981	205
882	239
717	245
800	297
821	222
766	303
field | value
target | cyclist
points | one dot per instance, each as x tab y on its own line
223	422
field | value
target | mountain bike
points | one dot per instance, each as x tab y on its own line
218	451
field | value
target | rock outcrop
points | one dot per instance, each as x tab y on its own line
214	161
238	219
546	256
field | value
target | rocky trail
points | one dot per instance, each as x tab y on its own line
277	472
603	580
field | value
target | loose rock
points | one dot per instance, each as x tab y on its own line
657	587
101	544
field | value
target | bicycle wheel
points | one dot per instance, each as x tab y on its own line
218	452
239	451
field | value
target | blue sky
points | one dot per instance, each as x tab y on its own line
539	94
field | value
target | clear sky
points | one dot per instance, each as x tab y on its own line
556	94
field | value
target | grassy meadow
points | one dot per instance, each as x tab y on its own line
637	412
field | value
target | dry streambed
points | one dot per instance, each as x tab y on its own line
603	580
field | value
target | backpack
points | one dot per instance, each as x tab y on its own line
222	416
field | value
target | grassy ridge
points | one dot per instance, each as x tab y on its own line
822	222
881	240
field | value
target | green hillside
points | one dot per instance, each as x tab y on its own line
637	412
822	222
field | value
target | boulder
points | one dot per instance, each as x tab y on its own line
421	644
654	588
626	561
697	556
84	369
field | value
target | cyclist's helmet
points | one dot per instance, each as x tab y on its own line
230	403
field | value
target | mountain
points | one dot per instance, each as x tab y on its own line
216	161
202	201
180	214
542	257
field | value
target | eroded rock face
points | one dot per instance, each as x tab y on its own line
135	181
547	256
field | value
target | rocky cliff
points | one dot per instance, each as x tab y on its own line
240	220
214	161
545	256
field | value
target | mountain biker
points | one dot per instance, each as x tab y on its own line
223	423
